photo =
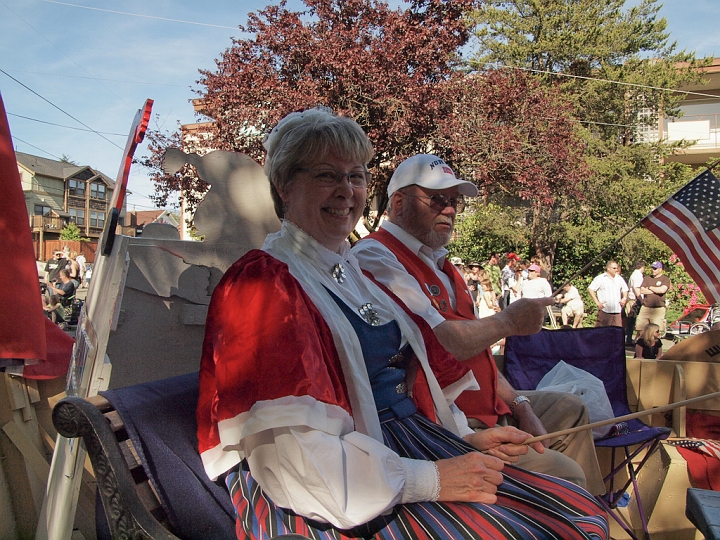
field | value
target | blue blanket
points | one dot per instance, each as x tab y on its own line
160	419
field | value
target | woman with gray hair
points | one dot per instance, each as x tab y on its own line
326	408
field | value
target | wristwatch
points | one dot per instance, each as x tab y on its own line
517	401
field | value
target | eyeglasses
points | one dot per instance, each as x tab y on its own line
331	177
440	202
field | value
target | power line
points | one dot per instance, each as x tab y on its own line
140	15
35	147
561	74
60	125
59	109
97	78
61	52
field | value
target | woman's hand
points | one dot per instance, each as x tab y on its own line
506	443
473	477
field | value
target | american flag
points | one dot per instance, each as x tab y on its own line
704	446
688	223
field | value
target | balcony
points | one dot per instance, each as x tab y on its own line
701	130
47	223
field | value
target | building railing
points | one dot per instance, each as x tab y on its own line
54	224
703	130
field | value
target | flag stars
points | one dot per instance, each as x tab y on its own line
702	198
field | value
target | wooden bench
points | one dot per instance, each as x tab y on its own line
132	507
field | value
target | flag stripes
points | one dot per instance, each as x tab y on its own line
680	226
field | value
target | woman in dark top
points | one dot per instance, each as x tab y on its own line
649	344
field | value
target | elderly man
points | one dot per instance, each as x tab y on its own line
535	286
407	256
609	292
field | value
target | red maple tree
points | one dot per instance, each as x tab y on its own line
516	139
382	67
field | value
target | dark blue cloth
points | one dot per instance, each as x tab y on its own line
600	351
379	344
160	419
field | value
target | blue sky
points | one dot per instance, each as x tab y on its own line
98	66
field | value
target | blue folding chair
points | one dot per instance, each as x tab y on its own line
600	351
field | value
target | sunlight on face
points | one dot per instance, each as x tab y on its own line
328	213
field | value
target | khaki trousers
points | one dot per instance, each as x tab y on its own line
655	315
571	457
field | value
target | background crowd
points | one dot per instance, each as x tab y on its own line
638	304
65	272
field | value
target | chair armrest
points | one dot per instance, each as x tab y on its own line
126	514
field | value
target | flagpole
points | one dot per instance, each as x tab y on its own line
631	229
623	418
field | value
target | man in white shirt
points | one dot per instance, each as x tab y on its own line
574	306
609	292
507	278
535	286
407	255
632	308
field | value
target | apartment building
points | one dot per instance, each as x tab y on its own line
57	193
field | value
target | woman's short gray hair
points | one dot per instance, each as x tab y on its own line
302	137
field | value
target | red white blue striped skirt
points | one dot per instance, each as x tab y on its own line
529	505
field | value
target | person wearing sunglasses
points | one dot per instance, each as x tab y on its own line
319	405
407	255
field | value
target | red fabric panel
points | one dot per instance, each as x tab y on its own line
264	339
22	329
703	426
59	353
25	331
704	469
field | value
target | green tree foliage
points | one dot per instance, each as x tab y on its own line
518	141
72	232
616	66
490	228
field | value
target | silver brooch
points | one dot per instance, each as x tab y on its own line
338	272
367	312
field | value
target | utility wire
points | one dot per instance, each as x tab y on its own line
61	52
67	127
97	78
636	85
59	109
139	15
36	148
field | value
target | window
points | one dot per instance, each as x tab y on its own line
97	191
41	210
76	188
97	219
77	216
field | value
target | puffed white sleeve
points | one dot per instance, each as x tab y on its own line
343	480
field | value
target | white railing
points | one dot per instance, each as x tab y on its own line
704	130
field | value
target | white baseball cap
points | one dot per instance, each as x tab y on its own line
428	171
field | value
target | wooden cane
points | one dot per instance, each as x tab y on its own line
624	418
